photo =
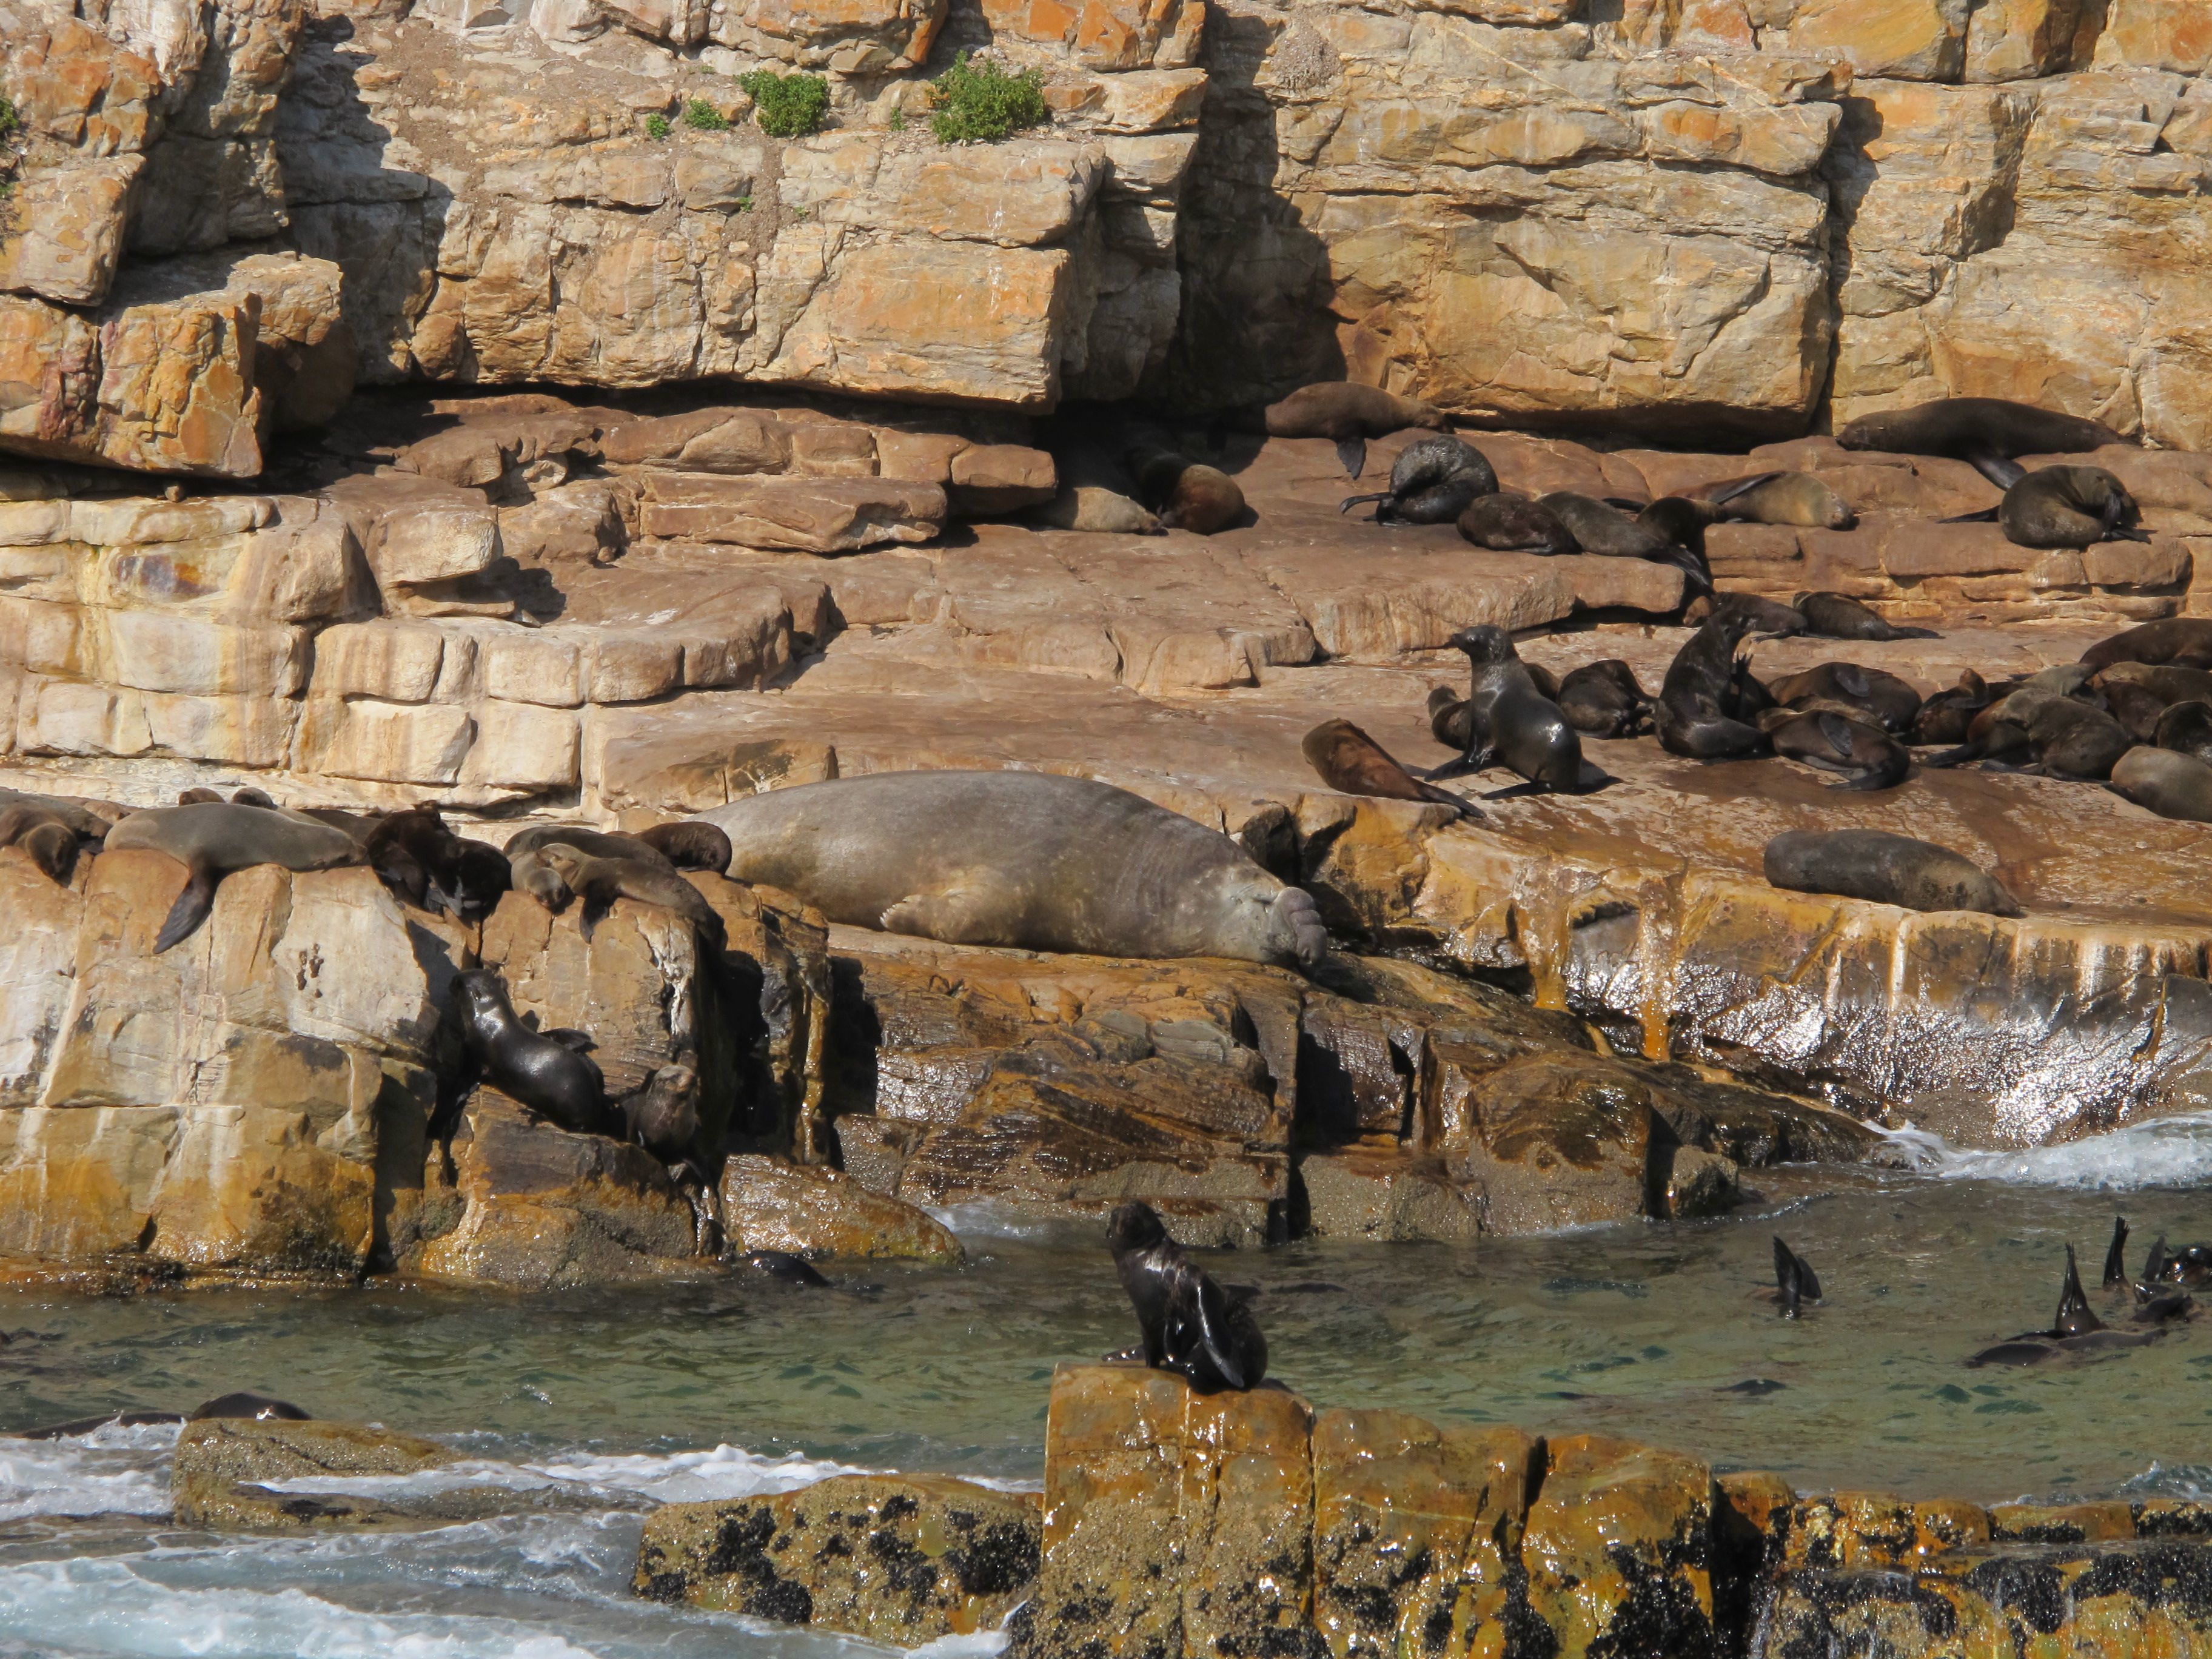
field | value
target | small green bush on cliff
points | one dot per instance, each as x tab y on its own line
980	103
656	126
700	116
8	122
787	106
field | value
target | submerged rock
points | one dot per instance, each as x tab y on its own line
223	1464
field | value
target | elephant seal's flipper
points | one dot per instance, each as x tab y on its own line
957	915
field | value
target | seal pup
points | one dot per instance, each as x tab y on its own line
1782	498
1987	433
2074	1330
1507	521
1353	763
551	1077
1883	869
1188	1323
1794	1282
1031	859
2185	728
2171	784
1187	494
1602	700
1432	482
1510	720
1348	414
1097	511
213	839
1869	757
1702	695
2069	507
600	881
1867	693
1945	717
2185	641
1835	616
689	844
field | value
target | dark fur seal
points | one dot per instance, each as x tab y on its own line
556	1080
1508	522
199	795
2186	641
1432	482
1599	528
213	839
1871	758
690	845
784	1268
1701	702
1987	432
1944	717
1680	524
1883	869
1881	699
2075	1329
2075	507
2116	1261
1997	735
600	881
2133	705
2185	728
2166	682
1794	1282
1509	720
253	1408
533	875
1030	859
1603	700
1783	498
46	835
2172	785
1353	763
1348	414
2073	740
1190	1324
1770	619
663	1116
1835	616
1187	494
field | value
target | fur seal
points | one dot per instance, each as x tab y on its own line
1599	528
1680	524
1783	498
2074	740
1353	763
1187	494
1096	510
2116	1261
554	1079
2167	682
663	1116
1508	522
2171	784
1834	617
1510	720
215	838
2075	1329
1702	700
1030	859
1190	1324
2069	507
783	1267
1988	433
1944	717
2183	641
1998	734
253	1408
1348	414
1603	700
1794	1282
1869	694
532	874
1883	869
1432	482
2133	705
1836	743
48	837
199	795
600	881
689	844
2185	728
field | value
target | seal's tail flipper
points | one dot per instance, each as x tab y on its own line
1352	455
2116	1270
1740	487
2156	1264
2076	1317
1351	502
190	911
1795	1283
1987	515
2000	470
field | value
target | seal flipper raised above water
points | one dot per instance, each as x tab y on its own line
2116	1266
1795	1281
214	839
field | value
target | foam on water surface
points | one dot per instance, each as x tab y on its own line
2162	1152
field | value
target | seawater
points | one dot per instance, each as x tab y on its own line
585	1409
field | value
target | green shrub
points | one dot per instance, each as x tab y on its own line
700	116
787	106
656	126
977	103
8	122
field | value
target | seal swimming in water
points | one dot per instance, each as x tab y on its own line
2171	784
2074	1330
1348	414
1867	693
250	1407
1506	521
1187	494
1836	743
1987	433
1432	482
1510	720
1030	859
1701	699
554	1079
214	839
2185	728
1602	700
1782	498
784	1267
1794	1282
2185	641
1883	869
1189	1324
1835	616
1353	763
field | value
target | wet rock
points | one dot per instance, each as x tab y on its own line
900	1560
771	1205
1386	1194
1559	1141
219	1481
1619	1549
1873	1530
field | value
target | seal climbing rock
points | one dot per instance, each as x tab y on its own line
552	1076
1189	1324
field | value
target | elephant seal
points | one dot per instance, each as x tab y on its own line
1348	414
2075	1329
1508	522
2185	728
1030	859
1187	494
1988	433
1188	1323
1883	869
2069	507
212	839
1834	617
600	881
1432	482
690	845
1599	528
1510	720
1869	694
1835	742
1353	763
554	1079
1097	511
1603	700
2184	640
1944	717
2170	784
1701	700
1783	498
1794	1282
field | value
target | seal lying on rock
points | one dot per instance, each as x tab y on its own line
1945	717
49	830
532	874
2185	728
215	838
546	1072
690	845
600	881
1097	511
1191	1325
2172	785
1783	498
1510	720
2067	506
1353	763
1988	433
2186	641
1187	494
1835	616
2075	1330
1030	859
1866	694
1507	521
1883	869
1835	742
1602	700
1348	414
1432	482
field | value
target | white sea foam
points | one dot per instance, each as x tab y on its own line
113	1471
987	1219
2166	1151
670	1478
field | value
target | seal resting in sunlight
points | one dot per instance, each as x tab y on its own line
1348	413
1190	1325
214	839
1351	762
1884	869
1030	859
1989	434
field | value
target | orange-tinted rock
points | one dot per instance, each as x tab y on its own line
1619	1548
771	1205
1871	1529
225	1467
811	515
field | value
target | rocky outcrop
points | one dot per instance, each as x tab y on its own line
226	1470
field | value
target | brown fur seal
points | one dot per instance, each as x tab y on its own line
1870	695
1353	763
554	1079
600	881
1702	704
1997	735
532	874
1097	511
1883	869
1770	619
1508	522
1835	742
1028	860
2069	507
1603	700
1599	528
250	796
1432	482
2133	705
690	845
1348	414
1988	432
1682	524
44	834
1834	617
2185	728
1186	494
2185	641
199	795
1509	721
2171	784
2073	740
1783	498
1944	717
214	838
2167	682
